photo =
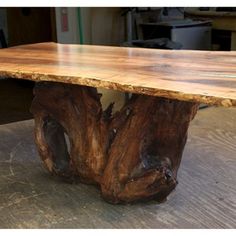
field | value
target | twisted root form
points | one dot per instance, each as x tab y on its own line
132	155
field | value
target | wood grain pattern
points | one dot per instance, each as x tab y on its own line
133	154
199	76
33	25
204	197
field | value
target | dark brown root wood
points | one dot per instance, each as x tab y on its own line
132	155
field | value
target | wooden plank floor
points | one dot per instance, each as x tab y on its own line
204	198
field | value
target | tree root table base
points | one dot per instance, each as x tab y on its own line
133	154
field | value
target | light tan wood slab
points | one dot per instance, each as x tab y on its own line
200	76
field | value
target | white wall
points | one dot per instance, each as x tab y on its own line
72	35
100	26
103	25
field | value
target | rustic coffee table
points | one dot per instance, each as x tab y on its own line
133	154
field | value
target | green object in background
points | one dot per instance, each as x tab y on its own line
81	39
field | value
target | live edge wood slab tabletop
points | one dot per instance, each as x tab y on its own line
132	154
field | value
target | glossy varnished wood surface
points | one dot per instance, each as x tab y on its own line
200	76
